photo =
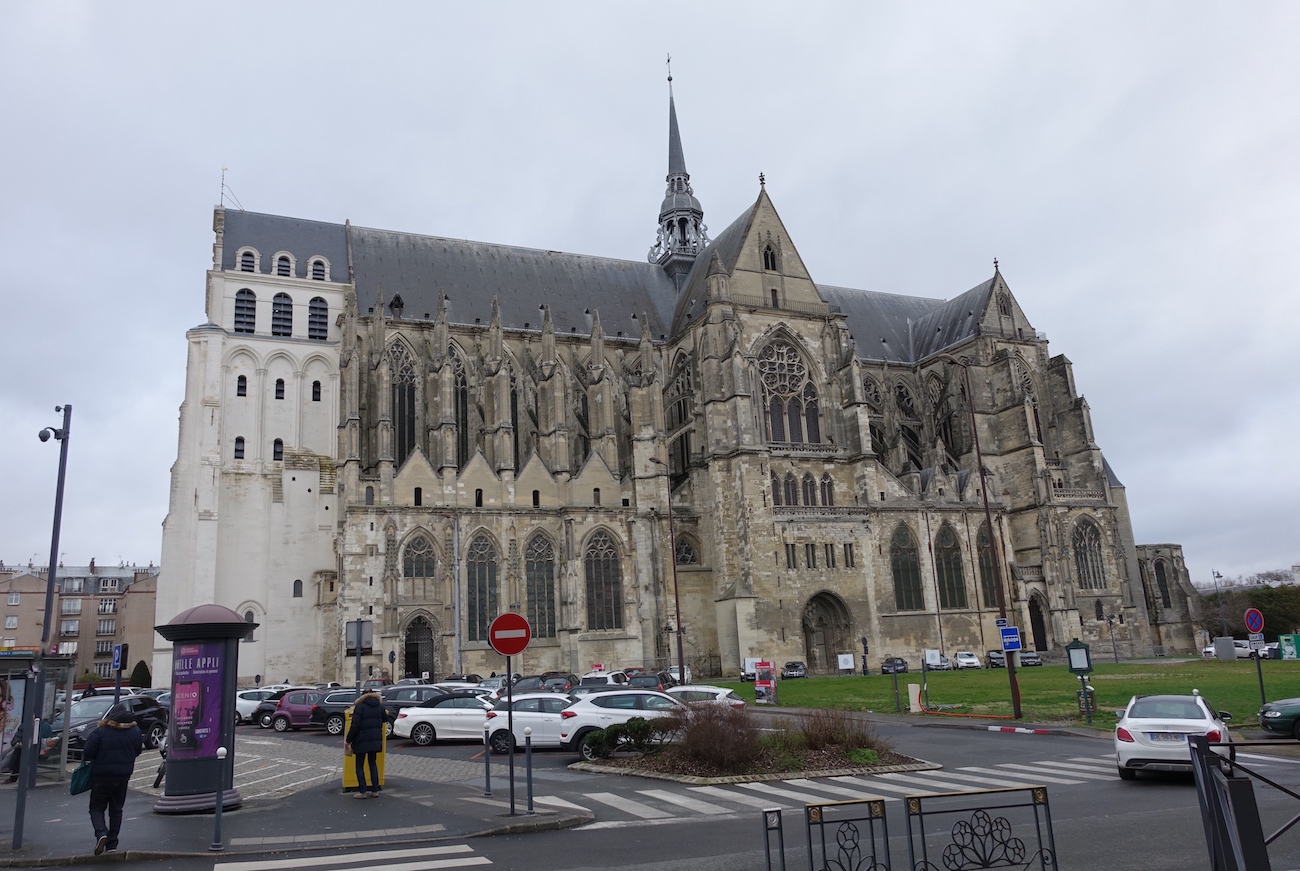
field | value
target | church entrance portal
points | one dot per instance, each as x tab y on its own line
826	624
418	652
1037	625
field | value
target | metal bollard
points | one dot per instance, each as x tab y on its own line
528	765
487	764
217	846
772	823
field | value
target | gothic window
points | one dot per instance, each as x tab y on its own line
419	559
245	311
1087	556
370	495
791	399
481	595
947	563
685	553
828	490
903	399
315	391
418	496
277	450
791	489
809	490
905	561
402	366
247	261
282	265
604	583
878	444
584	425
988	581
462	410
282	315
912	444
1162	583
776	490
679	397
1031	397
239	447
1098	610
297	589
279	388
871	390
1004	304
318	319
539	579
241	385
515	430
769	258
318	270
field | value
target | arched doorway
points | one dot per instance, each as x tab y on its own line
1037	623
826	622
419	654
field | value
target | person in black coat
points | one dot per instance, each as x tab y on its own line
366	739
112	750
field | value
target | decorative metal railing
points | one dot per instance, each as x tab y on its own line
1234	833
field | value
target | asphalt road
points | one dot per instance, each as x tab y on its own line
1098	821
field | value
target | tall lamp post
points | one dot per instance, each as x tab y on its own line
988	520
1110	621
672	557
32	727
1223	623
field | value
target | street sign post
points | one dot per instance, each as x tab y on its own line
509	634
1010	638
1255	625
1254	620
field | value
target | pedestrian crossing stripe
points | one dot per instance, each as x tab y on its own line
458	857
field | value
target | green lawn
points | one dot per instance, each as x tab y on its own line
1048	693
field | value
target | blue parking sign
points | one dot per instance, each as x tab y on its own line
117	657
1010	638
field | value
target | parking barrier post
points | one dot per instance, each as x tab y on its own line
217	846
487	764
772	823
528	765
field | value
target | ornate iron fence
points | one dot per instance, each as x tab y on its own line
992	828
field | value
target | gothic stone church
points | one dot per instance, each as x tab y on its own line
420	433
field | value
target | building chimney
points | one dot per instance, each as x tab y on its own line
92	565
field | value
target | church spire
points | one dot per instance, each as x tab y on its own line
682	234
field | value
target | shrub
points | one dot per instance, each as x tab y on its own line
599	742
787	745
720	737
840	729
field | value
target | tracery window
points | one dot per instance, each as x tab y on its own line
790	397
462	409
539	580
903	399
809	490
988	581
828	490
604	583
947	564
1004	305
282	315
871	390
318	311
769	258
1162	583
1087	556
776	490
245	311
685	553
905	561
403	385
791	489
419	559
481	587
679	397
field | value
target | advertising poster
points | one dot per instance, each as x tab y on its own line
196	700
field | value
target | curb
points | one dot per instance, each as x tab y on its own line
1021	730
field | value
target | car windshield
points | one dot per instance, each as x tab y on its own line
94	707
1166	709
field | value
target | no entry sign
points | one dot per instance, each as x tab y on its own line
1254	620
509	634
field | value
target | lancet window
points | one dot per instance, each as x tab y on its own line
604	583
905	561
947	564
402	367
481	587
1087	556
539	579
790	398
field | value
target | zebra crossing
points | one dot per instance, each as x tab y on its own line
412	859
259	776
643	807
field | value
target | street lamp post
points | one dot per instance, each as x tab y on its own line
1223	623
1110	622
32	727
672	558
988	520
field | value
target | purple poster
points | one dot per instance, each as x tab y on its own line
196	700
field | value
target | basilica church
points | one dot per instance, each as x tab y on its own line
410	435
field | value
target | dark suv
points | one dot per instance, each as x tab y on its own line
85	714
328	712
651	680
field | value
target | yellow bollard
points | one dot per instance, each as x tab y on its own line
349	762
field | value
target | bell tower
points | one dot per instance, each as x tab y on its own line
682	234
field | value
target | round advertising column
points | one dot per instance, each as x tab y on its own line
205	666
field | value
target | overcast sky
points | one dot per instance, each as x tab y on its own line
1132	166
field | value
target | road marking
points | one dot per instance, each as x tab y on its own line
1096	768
768	789
627	805
888	787
1039	777
833	790
748	800
377	857
628	824
556	801
1074	771
995	782
704	807
1264	758
929	783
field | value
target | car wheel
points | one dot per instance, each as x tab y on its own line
585	750
334	724
501	743
238	719
280	724
156	733
265	721
1127	773
423	734
388	730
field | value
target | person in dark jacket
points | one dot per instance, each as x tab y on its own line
366	738
112	750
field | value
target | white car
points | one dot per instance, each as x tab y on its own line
537	711
602	710
456	715
1151	735
672	673
595	678
706	694
246	702
965	659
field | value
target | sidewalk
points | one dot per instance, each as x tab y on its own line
58	830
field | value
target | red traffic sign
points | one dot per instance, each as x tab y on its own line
509	634
1254	620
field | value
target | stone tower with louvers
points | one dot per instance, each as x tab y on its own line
498	412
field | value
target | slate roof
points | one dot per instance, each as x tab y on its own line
886	326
